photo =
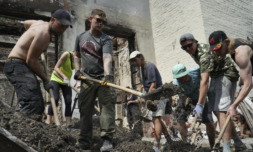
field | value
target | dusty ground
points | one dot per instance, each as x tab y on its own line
39	135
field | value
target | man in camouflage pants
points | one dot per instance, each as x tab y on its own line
223	83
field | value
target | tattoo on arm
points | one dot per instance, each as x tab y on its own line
107	57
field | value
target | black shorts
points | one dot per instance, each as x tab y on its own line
168	108
27	87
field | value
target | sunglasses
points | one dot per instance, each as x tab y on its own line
100	20
187	46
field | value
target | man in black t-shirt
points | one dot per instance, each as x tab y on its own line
94	50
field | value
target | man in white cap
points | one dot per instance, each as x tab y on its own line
189	80
151	79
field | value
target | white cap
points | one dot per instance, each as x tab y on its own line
134	54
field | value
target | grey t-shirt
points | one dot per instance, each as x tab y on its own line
150	74
91	48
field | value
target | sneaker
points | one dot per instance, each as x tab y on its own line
69	128
107	146
156	149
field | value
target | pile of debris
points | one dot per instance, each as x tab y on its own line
43	137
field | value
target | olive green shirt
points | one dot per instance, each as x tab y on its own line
207	63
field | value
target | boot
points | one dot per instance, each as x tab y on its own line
107	145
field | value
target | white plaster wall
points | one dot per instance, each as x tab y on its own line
233	17
170	19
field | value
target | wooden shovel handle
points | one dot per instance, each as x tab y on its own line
75	89
56	74
13	95
223	130
114	86
50	92
198	124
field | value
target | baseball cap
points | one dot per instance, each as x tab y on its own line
179	71
134	54
63	16
186	36
216	39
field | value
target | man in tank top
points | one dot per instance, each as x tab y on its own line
241	52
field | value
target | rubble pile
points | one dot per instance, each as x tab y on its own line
37	135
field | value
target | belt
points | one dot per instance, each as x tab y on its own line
15	59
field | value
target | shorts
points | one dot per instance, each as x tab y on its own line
206	115
168	108
160	108
221	93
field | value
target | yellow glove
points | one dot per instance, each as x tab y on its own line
105	80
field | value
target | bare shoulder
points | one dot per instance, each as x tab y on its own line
243	50
40	29
65	55
242	55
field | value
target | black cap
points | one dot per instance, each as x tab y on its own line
216	39
63	16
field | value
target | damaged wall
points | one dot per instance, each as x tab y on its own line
135	18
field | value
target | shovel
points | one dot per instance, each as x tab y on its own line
196	131
51	94
165	90
217	142
13	95
76	98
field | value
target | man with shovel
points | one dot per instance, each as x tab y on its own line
241	53
151	79
222	86
189	80
94	50
22	63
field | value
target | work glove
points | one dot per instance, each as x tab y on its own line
66	81
199	110
151	105
48	85
78	75
106	80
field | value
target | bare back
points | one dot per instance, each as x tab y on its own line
23	46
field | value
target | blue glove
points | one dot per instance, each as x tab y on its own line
199	110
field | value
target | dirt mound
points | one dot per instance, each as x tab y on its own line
41	136
36	134
134	145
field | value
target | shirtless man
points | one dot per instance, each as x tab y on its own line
22	63
241	52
